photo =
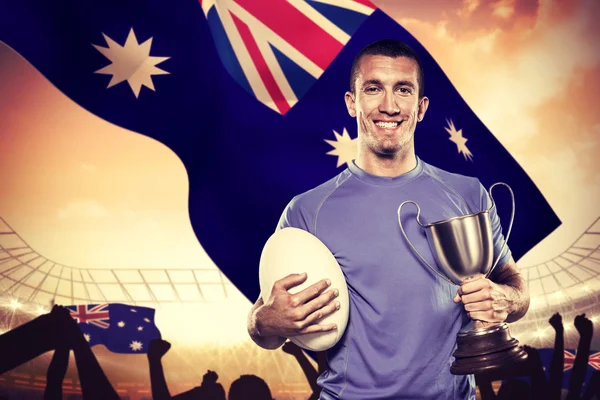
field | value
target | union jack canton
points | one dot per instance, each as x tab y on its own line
277	52
91	314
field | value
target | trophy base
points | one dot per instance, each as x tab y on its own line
487	350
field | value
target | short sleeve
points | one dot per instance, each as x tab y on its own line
486	203
295	216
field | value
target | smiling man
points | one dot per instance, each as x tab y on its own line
403	318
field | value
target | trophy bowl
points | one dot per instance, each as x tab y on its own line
463	247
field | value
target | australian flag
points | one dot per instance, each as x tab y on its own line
249	95
120	327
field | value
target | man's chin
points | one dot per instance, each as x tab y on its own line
388	152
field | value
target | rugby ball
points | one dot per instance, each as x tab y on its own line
294	251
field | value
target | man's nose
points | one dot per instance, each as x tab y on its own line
388	104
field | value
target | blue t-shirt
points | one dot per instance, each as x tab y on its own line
403	323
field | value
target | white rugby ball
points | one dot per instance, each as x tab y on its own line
294	251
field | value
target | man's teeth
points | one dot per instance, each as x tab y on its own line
387	125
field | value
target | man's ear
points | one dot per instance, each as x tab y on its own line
423	105
350	104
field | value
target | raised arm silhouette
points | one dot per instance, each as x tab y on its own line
28	341
537	376
558	359
156	350
94	383
208	390
586	331
309	371
57	370
56	330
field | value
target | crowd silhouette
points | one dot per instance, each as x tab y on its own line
542	386
58	331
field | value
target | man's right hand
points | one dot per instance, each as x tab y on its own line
285	314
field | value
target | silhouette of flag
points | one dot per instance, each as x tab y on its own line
593	364
120	327
249	95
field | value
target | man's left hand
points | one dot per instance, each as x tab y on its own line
484	300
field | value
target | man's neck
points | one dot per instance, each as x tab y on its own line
399	164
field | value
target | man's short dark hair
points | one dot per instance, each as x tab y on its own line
389	48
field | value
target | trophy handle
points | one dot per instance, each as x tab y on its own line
410	243
512	218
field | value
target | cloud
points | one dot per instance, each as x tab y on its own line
467	17
533	79
83	209
505	75
503	8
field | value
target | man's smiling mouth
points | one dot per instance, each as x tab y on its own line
387	124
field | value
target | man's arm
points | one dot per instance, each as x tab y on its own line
266	342
515	289
284	314
503	297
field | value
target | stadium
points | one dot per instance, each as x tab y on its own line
198	311
215	338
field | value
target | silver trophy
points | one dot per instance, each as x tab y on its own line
462	247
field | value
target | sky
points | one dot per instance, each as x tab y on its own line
89	194
529	70
92	195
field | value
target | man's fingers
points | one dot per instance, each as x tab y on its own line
457	298
319	302
310	292
317	328
481	295
321	313
313	319
474	284
290	281
479	306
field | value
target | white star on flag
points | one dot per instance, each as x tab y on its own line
457	137
121	324
147	320
87	337
140	328
135	345
131	62
344	147
133	310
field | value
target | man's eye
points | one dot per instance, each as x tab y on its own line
405	90
372	89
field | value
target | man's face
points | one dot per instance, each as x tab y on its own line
386	103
